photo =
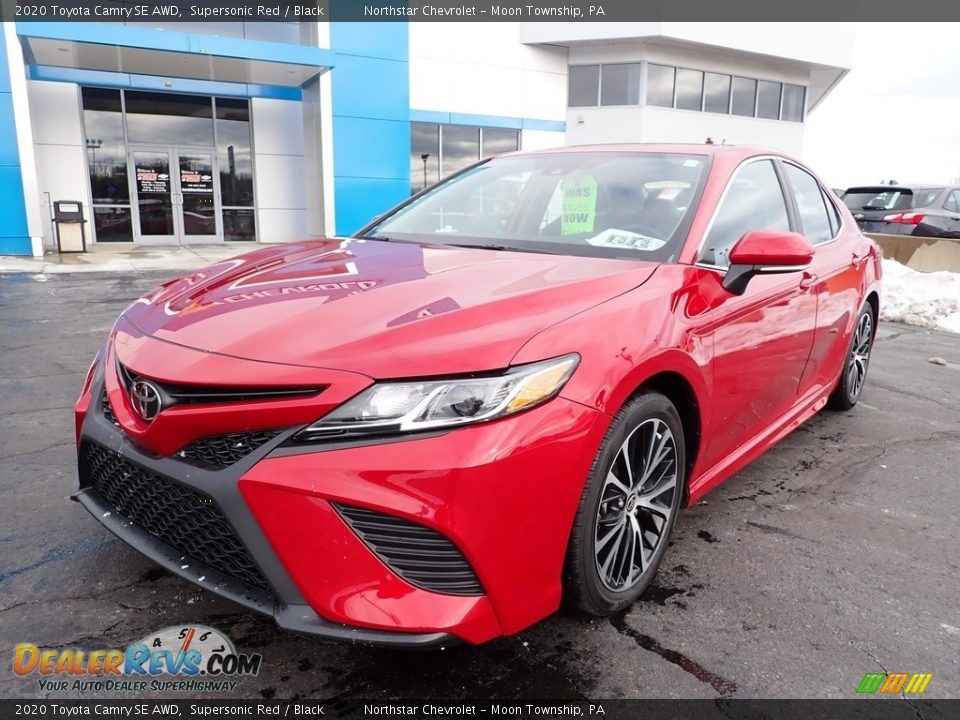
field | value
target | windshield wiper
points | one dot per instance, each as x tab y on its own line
490	246
385	238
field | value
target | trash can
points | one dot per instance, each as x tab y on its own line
69	223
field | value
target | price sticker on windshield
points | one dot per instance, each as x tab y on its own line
612	238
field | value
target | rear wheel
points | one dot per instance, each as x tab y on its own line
854	375
628	507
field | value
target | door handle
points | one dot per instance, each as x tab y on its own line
808	280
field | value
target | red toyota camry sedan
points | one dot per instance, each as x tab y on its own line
494	398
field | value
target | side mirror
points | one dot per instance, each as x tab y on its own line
765	252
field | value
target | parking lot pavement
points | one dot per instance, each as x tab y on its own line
832	556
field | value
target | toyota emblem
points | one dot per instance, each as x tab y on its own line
146	400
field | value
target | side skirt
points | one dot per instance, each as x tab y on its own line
802	411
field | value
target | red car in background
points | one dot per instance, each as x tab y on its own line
495	397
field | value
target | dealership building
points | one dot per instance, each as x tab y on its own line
229	131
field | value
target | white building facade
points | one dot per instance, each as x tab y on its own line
271	132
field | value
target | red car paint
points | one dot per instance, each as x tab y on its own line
342	314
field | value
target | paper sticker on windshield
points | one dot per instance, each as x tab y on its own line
579	204
623	239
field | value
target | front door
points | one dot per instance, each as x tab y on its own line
762	338
176	198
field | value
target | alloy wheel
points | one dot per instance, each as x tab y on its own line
860	355
636	505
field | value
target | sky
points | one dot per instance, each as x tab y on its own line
896	115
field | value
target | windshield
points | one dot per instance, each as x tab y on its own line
598	204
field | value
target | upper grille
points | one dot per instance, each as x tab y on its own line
176	394
107	409
420	555
224	450
183	518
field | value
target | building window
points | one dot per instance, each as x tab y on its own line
107	164
494	141
793	97
768	100
583	86
660	79
424	156
689	89
620	84
437	151
744	97
459	147
235	160
168	119
200	151
716	93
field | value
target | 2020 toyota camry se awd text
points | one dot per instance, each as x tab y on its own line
495	397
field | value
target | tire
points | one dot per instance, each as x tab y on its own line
599	582
854	374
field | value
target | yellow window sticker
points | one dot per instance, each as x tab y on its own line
579	204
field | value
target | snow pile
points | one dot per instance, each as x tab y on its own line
930	300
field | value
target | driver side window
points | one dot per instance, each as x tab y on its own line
753	201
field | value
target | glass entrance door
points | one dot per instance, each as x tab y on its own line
153	204
176	196
199	201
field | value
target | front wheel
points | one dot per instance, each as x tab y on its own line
854	374
628	507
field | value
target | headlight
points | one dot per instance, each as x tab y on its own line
400	407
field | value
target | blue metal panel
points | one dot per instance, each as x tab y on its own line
4	69
385	40
486	121
359	200
101	78
14	237
9	153
496	121
369	149
385	96
371	120
550	125
173	41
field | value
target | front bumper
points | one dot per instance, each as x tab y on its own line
504	493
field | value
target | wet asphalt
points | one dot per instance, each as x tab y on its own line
833	555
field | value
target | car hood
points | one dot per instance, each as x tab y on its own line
385	309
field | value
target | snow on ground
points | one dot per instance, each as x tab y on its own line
930	300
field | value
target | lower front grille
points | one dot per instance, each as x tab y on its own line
185	519
224	450
420	555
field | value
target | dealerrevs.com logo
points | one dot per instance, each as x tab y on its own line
190	659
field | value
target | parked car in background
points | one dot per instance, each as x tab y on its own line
925	210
